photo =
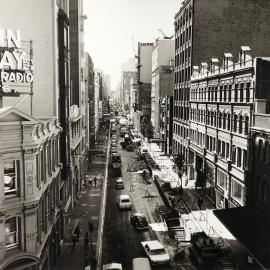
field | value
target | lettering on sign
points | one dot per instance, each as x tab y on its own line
16	63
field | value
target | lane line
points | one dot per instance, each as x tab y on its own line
102	208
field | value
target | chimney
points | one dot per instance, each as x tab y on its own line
227	60
245	55
195	71
214	64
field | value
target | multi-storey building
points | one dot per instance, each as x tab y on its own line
162	77
128	72
30	225
97	99
166	123
37	196
78	95
258	182
89	66
206	29
223	100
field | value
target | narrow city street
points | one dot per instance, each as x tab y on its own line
121	243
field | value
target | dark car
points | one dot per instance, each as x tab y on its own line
139	221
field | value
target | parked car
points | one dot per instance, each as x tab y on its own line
119	183
155	251
112	266
139	222
124	202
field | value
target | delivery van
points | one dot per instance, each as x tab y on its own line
141	264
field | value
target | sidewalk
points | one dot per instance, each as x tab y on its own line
198	219
87	209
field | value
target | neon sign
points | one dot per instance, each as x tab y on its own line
16	63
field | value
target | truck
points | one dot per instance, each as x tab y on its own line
116	164
203	250
174	224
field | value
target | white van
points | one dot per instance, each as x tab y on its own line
141	264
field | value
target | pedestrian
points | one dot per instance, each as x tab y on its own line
90	182
200	201
86	239
74	240
95	181
77	232
86	259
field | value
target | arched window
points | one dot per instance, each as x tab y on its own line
235	123
229	121
219	119
246	125
240	124
211	118
224	120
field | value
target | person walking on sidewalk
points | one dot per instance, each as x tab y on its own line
95	181
200	201
86	240
77	232
90	182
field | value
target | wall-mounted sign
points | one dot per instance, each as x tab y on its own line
16	63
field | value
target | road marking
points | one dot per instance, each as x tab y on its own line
84	204
94	195
102	211
92	205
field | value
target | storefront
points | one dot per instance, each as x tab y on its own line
210	182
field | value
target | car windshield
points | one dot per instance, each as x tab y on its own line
141	219
159	251
125	200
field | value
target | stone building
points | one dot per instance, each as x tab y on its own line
223	100
31	223
206	29
258	183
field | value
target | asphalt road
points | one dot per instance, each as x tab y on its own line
121	243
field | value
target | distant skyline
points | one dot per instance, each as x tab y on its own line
111	24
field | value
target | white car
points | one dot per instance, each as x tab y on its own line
112	266
124	202
155	252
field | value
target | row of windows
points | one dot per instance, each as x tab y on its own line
180	130
184	37
46	162
183	56
262	151
224	121
181	94
183	18
181	112
223	93
238	155
182	75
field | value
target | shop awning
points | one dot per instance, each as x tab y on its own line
250	225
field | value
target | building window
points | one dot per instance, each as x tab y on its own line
233	154
221	179
241	92
246	125
240	124
239	157
230	93
248	92
229	121
11	177
235	123
236	190
236	93
12	232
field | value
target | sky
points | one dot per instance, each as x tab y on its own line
111	24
